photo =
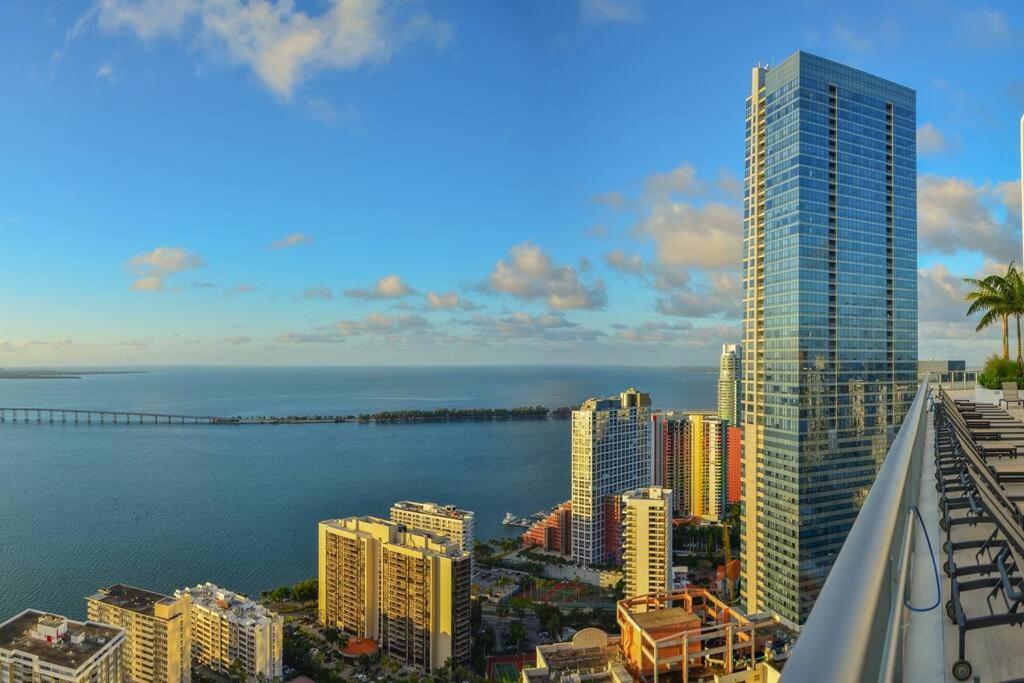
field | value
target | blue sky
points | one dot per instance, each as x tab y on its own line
357	181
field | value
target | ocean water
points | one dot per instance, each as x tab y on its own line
163	506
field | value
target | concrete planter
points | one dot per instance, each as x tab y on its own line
983	395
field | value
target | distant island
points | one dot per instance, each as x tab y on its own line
59	374
396	416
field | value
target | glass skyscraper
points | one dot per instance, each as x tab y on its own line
830	313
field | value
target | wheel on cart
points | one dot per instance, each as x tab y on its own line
946	545
943	525
962	670
950	610
945	567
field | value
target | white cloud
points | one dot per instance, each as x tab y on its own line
706	236
280	43
625	262
615	11
930	140
318	292
940	295
682	181
295	239
548	327
105	72
152	267
242	288
956	214
529	273
387	287
447	301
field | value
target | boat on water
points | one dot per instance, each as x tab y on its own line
512	520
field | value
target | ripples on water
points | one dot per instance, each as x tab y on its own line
162	506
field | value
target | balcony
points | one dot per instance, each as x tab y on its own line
861	628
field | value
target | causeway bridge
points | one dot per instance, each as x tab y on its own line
78	415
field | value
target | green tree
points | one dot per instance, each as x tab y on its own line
517	634
304	591
236	672
996	298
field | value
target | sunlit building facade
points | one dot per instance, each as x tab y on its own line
610	455
688	453
406	589
647	540
729	370
830	313
445	520
228	628
158	634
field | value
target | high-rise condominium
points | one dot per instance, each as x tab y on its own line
227	627
407	589
610	455
46	648
647	540
158	637
830	313
689	456
444	520
729	383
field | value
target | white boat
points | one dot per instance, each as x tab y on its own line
512	520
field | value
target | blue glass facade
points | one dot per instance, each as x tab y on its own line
830	323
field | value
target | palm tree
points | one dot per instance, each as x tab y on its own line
1016	285
995	296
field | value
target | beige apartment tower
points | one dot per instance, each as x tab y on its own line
158	640
444	520
647	540
227	627
406	589
36	647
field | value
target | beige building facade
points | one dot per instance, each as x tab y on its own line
406	589
158	637
227	627
647	540
444	520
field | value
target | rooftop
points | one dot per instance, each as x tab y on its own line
432	509
672	616
130	598
234	607
73	646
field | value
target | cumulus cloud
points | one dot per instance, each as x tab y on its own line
318	292
447	301
706	236
387	287
930	140
241	288
956	214
613	11
528	273
549	327
940	295
280	43
717	293
682	181
295	239
625	262
308	338
378	323
152	267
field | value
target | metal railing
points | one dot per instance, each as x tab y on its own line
854	632
952	380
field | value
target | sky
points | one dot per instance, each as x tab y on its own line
402	182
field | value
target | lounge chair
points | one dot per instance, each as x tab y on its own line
1010	395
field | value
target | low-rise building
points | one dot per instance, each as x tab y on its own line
590	656
553	532
36	647
227	627
158	641
443	520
